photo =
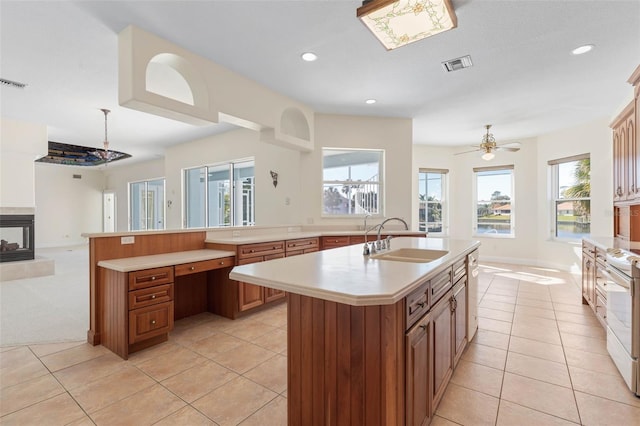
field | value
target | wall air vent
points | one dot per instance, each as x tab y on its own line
457	64
12	83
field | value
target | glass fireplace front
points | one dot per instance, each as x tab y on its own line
16	237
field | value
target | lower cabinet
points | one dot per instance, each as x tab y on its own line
460	319
442	320
418	373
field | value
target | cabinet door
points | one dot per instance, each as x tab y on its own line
587	278
631	158
249	295
441	345
417	372
460	328
617	165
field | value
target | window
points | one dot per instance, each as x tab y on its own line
352	182
220	195
495	204
146	205
432	213
571	197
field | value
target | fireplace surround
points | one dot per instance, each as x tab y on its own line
17	233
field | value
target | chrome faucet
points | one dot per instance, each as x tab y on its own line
365	221
366	251
381	244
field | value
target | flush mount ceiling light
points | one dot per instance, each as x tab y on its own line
370	101
309	56
582	49
399	22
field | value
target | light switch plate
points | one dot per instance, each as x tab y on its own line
127	240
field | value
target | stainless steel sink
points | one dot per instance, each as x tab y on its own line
414	255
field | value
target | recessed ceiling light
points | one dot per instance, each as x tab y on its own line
309	56
582	49
370	101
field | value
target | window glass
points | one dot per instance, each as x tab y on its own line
146	205
571	187
432	206
352	182
495	203
225	198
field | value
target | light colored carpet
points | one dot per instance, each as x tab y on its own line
48	309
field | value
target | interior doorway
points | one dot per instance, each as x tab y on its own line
108	211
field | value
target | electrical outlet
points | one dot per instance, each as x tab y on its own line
127	240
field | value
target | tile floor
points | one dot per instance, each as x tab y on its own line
538	358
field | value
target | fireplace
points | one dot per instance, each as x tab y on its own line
16	237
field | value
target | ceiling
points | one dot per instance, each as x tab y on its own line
524	80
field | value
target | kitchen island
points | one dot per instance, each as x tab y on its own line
370	340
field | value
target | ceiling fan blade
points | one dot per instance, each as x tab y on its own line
506	148
511	144
466	152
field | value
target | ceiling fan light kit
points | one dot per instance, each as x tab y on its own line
488	146
399	22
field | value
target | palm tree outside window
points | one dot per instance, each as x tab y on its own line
571	192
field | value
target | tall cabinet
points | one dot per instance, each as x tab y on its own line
626	168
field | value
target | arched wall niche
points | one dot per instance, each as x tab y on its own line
174	77
294	123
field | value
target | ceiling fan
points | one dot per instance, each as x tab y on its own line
488	146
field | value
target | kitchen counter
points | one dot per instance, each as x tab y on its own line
137	263
251	239
344	275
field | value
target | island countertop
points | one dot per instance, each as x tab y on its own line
344	275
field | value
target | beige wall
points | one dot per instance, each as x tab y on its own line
20	144
67	207
532	243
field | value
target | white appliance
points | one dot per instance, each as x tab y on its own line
623	314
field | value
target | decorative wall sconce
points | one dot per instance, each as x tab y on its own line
274	176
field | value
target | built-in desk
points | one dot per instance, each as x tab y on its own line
143	295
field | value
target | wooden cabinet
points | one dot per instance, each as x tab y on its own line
337	241
302	246
251	296
459	318
588	273
418	373
442	321
625	156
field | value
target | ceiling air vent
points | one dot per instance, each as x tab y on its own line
11	83
457	64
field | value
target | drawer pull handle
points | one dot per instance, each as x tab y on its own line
153	322
423	326
153	296
193	268
222	263
421	304
251	251
153	278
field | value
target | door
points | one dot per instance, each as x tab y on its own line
418	373
108	211
441	345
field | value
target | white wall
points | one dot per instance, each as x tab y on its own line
393	135
271	202
594	138
66	207
117	180
20	144
532	243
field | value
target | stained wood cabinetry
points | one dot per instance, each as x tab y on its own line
251	296
418	373
594	283
588	273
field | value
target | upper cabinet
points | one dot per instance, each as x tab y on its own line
626	148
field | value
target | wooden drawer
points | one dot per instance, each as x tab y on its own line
205	265
459	269
274	256
331	242
150	296
417	304
302	244
359	239
151	321
150	277
440	285
263	249
601	308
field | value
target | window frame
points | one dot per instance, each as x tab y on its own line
512	202
554	196
234	204
146	215
444	202
380	184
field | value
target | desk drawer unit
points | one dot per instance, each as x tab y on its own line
150	277
263	249
205	265
151	321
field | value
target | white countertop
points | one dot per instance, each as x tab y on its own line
138	263
344	275
296	235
